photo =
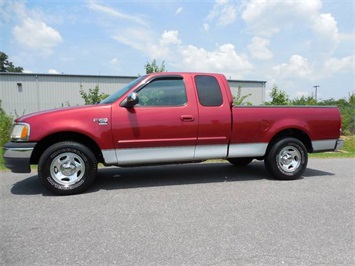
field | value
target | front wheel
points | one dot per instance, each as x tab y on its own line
287	159
67	168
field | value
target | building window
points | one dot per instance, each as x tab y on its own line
19	86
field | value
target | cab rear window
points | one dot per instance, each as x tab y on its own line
208	90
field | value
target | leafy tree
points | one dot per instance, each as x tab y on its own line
154	97
5	126
309	100
153	67
347	110
350	115
239	99
278	97
93	96
352	99
6	65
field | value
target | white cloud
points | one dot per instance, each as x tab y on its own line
169	42
308	29
224	11
206	26
327	33
115	13
146	42
325	24
268	17
53	71
170	37
169	46
347	37
335	65
178	11
30	27
297	66
300	67
114	61
136	38
224	59
258	48
36	35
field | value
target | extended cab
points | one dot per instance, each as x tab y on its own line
165	118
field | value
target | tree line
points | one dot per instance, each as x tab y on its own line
6	65
345	105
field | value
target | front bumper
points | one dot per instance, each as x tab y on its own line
17	156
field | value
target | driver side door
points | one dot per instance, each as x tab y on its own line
162	127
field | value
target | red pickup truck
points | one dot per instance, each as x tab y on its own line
165	118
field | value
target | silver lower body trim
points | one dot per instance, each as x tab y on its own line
247	150
109	156
205	152
324	145
18	152
339	145
181	154
149	155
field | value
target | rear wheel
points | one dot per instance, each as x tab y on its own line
67	168
287	159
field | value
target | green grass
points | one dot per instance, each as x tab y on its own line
2	166
347	151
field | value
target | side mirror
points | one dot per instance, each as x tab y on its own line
131	100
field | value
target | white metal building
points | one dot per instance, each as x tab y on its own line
23	93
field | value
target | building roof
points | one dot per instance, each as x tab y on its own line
102	76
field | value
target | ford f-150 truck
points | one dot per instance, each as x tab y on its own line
165	118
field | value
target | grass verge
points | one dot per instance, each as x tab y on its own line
2	166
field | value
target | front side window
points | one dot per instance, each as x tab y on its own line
118	94
163	92
208	90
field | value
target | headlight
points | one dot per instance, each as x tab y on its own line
20	132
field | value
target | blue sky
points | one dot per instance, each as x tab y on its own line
294	44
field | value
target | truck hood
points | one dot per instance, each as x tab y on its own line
59	112
91	120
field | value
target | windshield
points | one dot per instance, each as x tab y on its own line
115	96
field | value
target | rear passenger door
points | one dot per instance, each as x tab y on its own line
214	118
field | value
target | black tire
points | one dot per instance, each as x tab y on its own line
287	159
242	162
67	168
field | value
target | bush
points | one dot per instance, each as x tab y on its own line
347	110
93	96
5	126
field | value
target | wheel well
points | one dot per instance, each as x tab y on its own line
292	133
65	136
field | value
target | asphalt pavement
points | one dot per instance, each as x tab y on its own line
198	214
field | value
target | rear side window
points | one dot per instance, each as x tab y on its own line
208	90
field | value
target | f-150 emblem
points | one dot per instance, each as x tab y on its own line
101	121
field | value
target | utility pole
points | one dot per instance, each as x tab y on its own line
316	88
